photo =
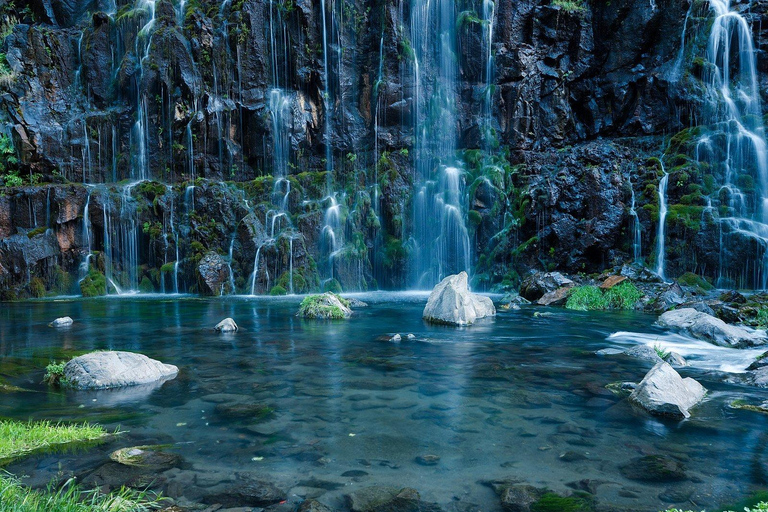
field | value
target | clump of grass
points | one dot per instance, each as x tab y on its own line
760	507
762	318
591	298
14	497
54	374
623	296
661	352
586	298
18	439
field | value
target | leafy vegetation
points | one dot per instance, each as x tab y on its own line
623	296
9	172
54	374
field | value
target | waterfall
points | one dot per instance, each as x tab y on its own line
440	238
255	273
489	14
85	265
660	249
637	253
140	132
326	95
735	142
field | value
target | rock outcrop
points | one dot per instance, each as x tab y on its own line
115	369
709	328
664	393
452	303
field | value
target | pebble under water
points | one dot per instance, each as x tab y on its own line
325	408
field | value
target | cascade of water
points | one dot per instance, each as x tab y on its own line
489	14
738	152
129	228
190	151
637	252
377	101
290	266
189	198
326	94
87	169
331	232
140	132
440	238
85	265
677	68
279	109
660	249
255	273
229	264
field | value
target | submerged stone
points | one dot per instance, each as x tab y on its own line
654	468
452	303
148	457
114	369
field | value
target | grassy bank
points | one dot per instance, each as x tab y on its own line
14	497
18	439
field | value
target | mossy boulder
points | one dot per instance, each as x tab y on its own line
325	306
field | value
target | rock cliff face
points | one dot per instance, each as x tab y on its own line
140	136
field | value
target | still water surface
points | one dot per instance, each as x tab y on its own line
519	396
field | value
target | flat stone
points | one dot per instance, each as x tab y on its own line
612	281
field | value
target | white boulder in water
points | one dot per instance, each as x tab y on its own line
452	303
64	321
115	369
226	325
664	393
712	329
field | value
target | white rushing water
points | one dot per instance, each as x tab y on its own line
698	353
660	236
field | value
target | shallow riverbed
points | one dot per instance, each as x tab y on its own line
519	396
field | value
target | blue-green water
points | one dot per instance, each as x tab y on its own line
519	396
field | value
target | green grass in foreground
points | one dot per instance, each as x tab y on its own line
760	507
22	438
14	497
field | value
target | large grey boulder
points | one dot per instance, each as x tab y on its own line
452	303
115	369
664	393
709	328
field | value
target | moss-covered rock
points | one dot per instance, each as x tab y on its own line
327	306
